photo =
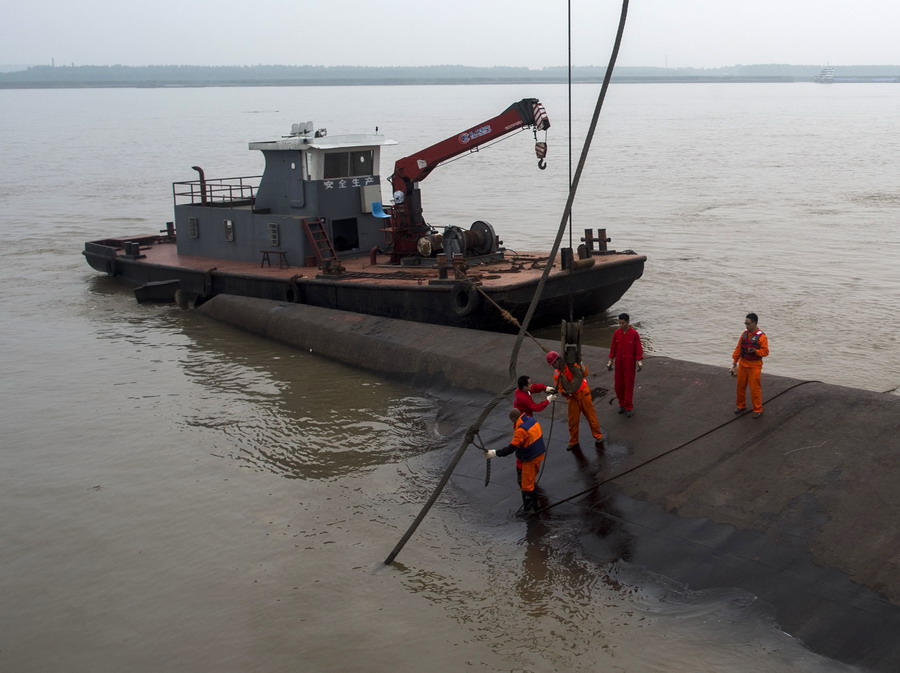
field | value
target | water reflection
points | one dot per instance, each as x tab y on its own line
531	585
606	536
275	408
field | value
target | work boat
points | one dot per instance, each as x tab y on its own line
314	229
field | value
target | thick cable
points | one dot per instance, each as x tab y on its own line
523	330
509	317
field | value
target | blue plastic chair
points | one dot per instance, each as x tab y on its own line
378	209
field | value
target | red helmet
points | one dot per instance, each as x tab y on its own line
552	357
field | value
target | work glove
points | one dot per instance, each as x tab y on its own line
609	365
732	370
550	391
551	398
490	453
640	365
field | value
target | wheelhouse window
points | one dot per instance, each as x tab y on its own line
349	164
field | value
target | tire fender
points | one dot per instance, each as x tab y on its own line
294	292
464	299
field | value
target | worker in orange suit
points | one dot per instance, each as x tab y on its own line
526	404
625	354
528	444
570	381
747	359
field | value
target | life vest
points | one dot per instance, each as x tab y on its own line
570	379
749	344
534	443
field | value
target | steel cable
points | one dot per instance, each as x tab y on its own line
664	453
520	337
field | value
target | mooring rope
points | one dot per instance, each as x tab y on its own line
506	315
520	337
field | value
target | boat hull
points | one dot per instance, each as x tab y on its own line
442	302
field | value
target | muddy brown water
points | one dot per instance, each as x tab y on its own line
180	496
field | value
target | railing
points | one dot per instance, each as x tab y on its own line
216	191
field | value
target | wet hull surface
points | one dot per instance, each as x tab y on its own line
798	507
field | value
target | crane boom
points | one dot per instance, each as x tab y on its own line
407	223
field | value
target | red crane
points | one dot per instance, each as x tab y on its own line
407	223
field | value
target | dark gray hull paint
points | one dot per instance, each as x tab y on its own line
799	508
591	292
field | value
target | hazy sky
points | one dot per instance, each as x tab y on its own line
532	33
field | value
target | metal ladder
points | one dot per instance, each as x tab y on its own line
318	238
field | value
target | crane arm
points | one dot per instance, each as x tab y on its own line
416	167
407	222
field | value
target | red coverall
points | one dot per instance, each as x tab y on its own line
579	403
525	404
626	350
528	406
751	349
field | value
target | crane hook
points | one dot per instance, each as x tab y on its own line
540	149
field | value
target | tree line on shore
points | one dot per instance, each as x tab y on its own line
42	76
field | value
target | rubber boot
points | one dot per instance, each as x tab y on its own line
526	504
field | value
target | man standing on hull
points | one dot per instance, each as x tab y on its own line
626	351
528	444
570	381
751	348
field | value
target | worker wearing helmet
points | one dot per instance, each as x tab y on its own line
570	381
751	348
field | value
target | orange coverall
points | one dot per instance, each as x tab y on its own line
528	444
580	402
749	352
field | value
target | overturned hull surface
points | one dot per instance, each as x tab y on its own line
799	508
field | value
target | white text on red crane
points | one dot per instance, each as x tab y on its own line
476	133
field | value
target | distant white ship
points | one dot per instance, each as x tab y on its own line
826	76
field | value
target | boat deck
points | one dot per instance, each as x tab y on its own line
515	268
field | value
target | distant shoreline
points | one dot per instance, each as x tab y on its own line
426	82
182	76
